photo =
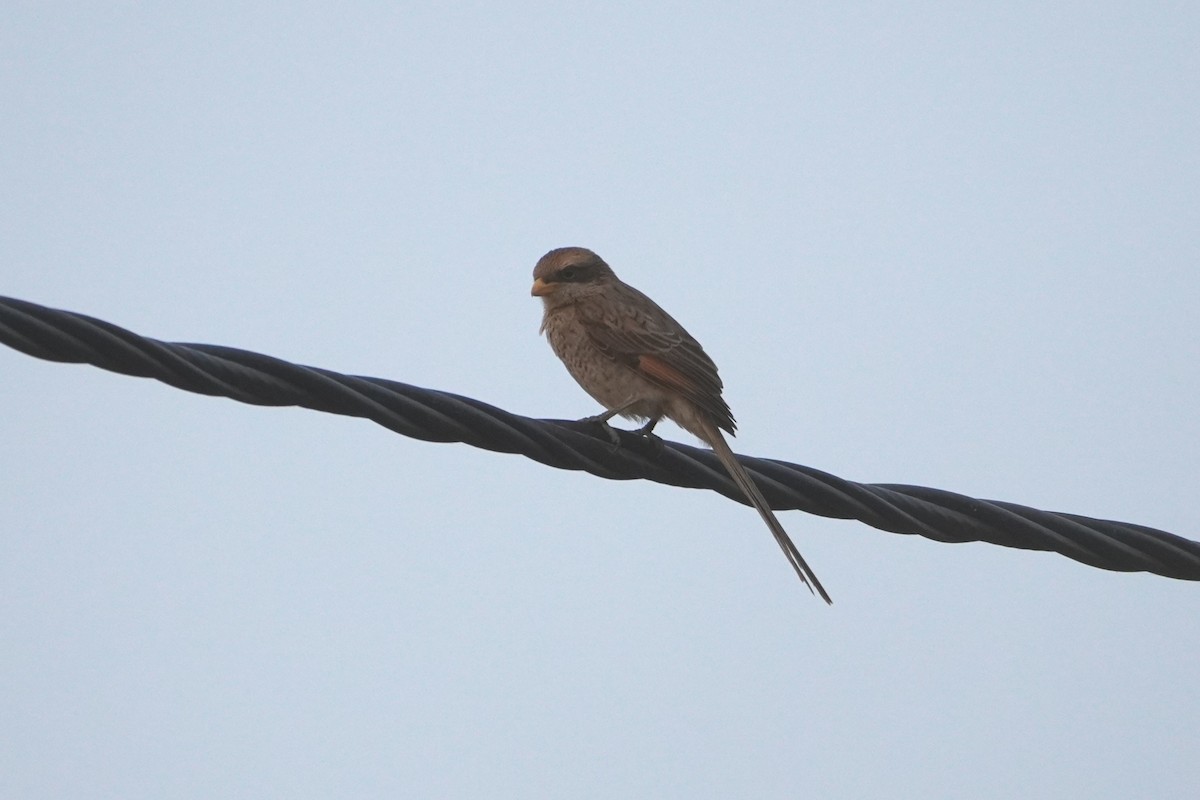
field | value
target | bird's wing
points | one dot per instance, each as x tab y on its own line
631	329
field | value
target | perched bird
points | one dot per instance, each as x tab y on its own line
638	362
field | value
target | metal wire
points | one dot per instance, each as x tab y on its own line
435	416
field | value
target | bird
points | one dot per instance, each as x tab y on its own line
636	361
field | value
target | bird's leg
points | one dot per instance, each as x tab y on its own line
647	430
602	421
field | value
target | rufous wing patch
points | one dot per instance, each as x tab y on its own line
663	373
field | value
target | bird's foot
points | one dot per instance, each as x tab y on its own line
601	421
614	435
653	439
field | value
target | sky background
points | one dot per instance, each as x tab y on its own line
936	244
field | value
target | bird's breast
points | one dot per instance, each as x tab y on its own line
610	383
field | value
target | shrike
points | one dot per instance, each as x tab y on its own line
638	362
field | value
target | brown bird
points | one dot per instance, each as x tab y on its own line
638	362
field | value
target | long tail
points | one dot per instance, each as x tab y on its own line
736	471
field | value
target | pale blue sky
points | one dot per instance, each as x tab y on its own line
932	244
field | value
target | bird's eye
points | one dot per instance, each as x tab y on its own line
568	274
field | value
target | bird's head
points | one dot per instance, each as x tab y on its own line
565	275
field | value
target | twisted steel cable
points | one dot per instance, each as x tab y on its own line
435	416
